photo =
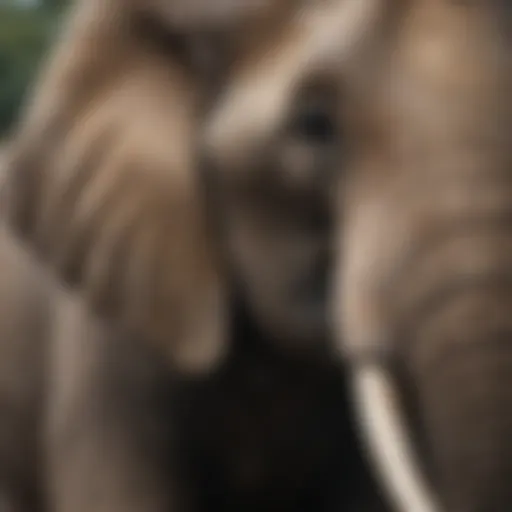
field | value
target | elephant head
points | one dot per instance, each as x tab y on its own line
421	302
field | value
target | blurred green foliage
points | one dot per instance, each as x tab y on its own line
24	38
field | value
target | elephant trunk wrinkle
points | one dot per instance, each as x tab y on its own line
461	364
451	308
461	260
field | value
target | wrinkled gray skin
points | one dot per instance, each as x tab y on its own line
423	258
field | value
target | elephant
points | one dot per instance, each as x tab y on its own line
417	191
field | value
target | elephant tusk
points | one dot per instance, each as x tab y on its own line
388	442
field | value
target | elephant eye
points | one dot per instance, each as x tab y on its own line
314	124
309	149
313	121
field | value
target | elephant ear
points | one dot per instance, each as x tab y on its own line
100	186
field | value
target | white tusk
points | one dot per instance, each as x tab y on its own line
389	444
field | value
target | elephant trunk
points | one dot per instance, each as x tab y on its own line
433	287
454	312
461	363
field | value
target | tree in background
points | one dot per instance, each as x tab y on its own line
26	29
